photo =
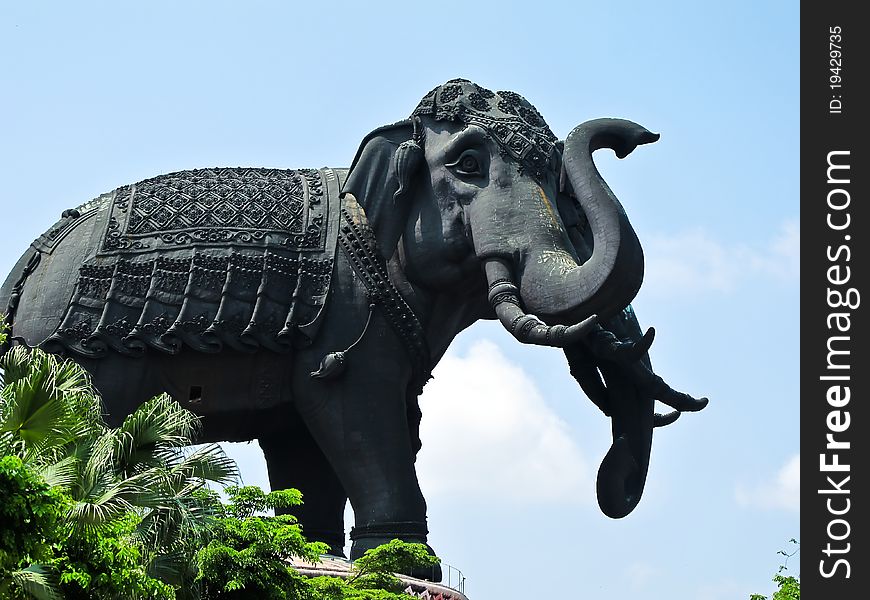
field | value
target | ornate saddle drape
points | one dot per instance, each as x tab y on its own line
209	259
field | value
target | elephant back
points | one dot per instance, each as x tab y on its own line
205	259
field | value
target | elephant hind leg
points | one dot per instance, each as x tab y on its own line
294	460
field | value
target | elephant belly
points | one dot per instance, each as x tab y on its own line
234	393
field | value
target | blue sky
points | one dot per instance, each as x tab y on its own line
96	95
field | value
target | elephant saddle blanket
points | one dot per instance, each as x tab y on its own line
209	259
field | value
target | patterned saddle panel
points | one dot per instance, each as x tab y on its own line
209	259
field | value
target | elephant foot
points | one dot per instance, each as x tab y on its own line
682	402
368	538
660	420
335	540
606	346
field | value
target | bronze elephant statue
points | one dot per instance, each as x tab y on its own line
307	308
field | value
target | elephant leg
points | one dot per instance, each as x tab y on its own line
362	427
295	460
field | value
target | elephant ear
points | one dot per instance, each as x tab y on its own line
380	175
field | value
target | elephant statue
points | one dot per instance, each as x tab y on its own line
307	308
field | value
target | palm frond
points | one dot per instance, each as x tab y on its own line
62	473
148	436
45	405
209	463
38	582
33	408
168	566
14	364
178	521
162	421
106	500
7	442
73	379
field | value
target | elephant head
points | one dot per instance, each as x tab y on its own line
474	180
474	190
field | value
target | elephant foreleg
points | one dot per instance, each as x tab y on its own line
605	345
362	425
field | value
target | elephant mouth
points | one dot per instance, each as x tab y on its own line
457	249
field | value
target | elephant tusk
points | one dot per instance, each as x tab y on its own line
505	300
662	420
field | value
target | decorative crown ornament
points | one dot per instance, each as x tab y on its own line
511	120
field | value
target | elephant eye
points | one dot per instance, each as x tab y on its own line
468	164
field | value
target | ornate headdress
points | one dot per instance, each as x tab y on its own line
511	120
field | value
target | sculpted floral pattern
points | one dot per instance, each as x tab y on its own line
236	206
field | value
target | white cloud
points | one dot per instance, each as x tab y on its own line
782	492
693	262
640	575
488	435
252	463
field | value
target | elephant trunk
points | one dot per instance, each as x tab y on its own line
528	329
552	282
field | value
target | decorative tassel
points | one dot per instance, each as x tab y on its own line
408	157
334	363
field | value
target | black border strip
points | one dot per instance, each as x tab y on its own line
834	333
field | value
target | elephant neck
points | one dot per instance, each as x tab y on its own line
360	246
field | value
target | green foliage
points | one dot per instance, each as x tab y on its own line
4	329
43	556
87	511
249	554
107	564
333	588
134	510
248	501
395	557
374	570
789	588
31	514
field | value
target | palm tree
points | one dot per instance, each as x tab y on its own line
51	417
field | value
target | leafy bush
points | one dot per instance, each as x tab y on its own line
249	556
789	588
31	513
87	511
4	329
107	563
126	502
